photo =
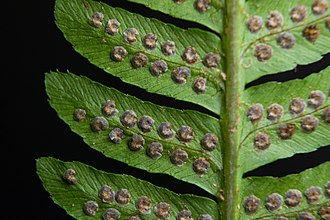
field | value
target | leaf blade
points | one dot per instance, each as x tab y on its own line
72	17
303	51
72	197
283	93
264	186
68	92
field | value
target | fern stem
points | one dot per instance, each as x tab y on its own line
234	87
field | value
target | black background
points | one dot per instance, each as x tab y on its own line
32	46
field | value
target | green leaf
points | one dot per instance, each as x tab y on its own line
72	17
71	197
282	94
68	92
303	52
212	18
262	187
236	64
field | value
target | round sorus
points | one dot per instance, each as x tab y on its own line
165	130
184	215
209	141
262	141
179	157
297	106
274	20
139	60
150	41
79	114
309	123
109	108
255	112
202	5
70	176
326	115
99	124
263	52
168	48
96	19
143	205
145	123
211	60
111	214
316	99
180	74
311	33
305	216
285	131
123	196
106	194
116	135
298	13
199	85
118	53
313	194
274	112
201	165
163	210
293	197
112	26
251	204
185	134
128	119
274	202
155	150
190	55
136	142
158	67
90	208
327	23
320	7
130	35
286	40
254	23
324	212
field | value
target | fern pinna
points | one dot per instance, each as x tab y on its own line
249	127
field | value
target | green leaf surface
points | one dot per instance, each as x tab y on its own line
72	197
72	17
212	18
262	187
303	52
68	92
282	94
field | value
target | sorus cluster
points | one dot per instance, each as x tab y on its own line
154	148
297	106
285	39
144	205
291	199
180	74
